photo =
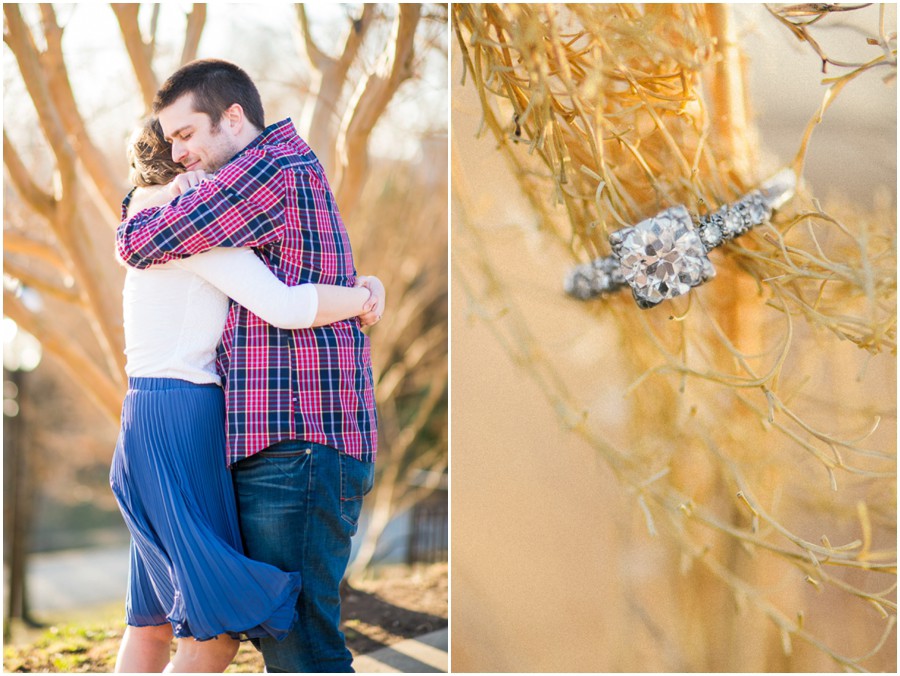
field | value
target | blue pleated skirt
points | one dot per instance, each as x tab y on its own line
175	492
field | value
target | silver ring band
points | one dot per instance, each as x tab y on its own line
665	256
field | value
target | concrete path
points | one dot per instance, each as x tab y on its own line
424	654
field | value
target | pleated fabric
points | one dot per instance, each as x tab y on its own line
187	564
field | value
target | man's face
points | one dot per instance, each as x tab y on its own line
195	143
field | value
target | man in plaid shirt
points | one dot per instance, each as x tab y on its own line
301	424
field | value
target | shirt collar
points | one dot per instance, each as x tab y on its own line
280	132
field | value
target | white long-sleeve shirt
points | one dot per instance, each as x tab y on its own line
174	313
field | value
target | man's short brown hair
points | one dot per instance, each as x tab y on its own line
216	85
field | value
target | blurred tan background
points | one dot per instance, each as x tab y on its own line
553	565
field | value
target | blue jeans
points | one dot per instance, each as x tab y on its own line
299	504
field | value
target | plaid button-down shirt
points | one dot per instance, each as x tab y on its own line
309	384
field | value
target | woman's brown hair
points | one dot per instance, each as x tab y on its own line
150	157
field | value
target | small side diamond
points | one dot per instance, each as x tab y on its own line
711	228
711	235
578	283
734	222
593	279
757	208
600	283
607	264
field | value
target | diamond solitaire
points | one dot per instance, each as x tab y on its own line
661	257
666	255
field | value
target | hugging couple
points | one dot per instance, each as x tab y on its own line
248	431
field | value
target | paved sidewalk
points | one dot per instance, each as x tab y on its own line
423	654
77	578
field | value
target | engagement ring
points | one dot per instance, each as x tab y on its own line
666	255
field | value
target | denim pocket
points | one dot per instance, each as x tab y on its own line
284	458
287	448
357	480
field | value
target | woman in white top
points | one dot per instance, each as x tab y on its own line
188	576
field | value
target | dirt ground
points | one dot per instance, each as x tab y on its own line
400	603
397	606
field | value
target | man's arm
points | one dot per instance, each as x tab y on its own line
243	205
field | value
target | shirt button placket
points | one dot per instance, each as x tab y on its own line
287	345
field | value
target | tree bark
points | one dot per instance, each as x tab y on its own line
195	22
372	101
326	117
18	511
138	51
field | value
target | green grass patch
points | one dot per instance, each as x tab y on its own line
89	647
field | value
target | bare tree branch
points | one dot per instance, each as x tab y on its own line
326	118
315	55
195	22
19	39
108	185
387	503
372	102
104	315
154	23
66	222
138	50
436	391
16	243
39	200
424	345
28	278
104	391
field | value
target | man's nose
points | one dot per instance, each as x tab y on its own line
178	151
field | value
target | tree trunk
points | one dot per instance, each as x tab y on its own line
17	506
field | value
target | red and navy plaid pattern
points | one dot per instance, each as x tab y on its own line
309	384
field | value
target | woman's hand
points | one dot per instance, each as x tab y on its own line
374	307
184	182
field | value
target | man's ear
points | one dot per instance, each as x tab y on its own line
233	118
